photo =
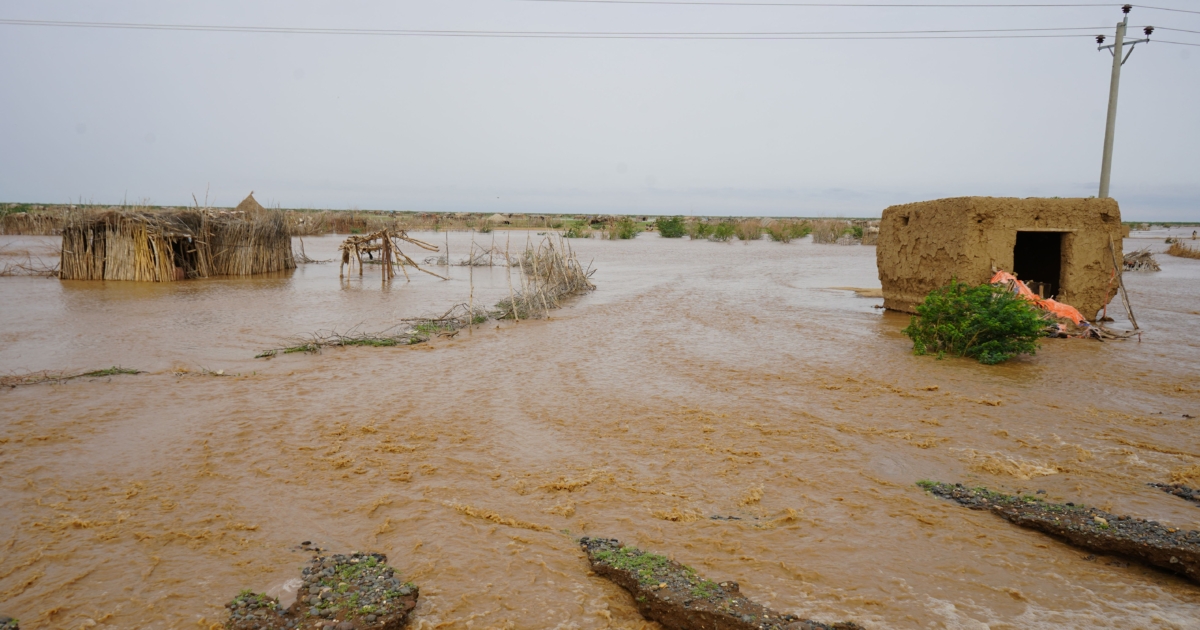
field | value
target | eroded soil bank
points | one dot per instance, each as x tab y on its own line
700	380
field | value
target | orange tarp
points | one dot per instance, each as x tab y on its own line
1057	308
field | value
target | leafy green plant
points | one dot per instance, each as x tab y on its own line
785	231
856	232
670	227
623	228
723	232
579	229
982	322
698	230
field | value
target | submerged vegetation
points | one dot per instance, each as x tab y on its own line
578	229
56	377
699	230
622	228
785	231
982	322
748	230
670	227
1182	251
723	232
549	273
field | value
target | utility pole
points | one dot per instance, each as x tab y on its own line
1119	59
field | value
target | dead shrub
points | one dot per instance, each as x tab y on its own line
1183	251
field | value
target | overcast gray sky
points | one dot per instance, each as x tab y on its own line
589	125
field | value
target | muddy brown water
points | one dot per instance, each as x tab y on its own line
699	380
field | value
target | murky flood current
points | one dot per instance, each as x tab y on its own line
699	380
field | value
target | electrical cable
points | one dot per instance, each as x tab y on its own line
1178	30
1167	41
877	5
1142	6
721	3
892	35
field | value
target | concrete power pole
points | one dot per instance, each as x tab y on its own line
1119	59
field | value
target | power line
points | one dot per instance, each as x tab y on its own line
891	35
1142	6
720	3
1178	30
1164	41
877	5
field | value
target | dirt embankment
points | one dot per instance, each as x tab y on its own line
1179	490
338	592
1167	548
677	597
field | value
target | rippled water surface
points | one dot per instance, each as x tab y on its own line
699	379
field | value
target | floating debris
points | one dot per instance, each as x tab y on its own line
1141	260
8	623
33	378
387	244
1168	548
342	592
677	597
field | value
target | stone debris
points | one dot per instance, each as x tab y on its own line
677	597
8	623
1168	548
338	592
1179	490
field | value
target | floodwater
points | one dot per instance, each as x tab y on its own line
699	379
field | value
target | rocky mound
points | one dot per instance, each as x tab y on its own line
677	597
1167	548
339	592
8	623
1179	490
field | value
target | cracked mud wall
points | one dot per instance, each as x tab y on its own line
923	245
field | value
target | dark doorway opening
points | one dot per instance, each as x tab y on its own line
1037	261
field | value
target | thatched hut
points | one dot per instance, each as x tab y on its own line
157	246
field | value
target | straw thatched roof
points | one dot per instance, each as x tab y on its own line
249	204
163	246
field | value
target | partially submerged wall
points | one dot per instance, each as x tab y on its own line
922	246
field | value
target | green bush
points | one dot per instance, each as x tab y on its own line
723	232
784	231
748	230
699	230
670	227
982	322
578	229
856	232
622	228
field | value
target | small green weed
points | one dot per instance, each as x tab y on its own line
705	589
112	371
632	559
